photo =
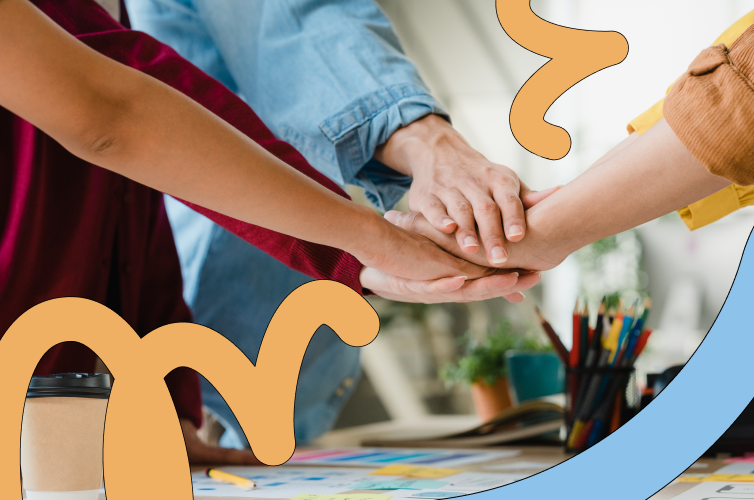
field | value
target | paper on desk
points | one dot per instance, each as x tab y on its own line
414	471
378	457
749	459
538	466
345	496
737	468
718	491
472	482
461	484
429	495
282	482
399	484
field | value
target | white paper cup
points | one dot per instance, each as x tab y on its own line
62	436
63	495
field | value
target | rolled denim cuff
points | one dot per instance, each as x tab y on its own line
369	121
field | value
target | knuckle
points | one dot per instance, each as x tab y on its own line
493	238
435	205
510	198
463	207
408	220
487	207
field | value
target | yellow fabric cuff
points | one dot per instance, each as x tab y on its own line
745	195
713	207
727	200
646	120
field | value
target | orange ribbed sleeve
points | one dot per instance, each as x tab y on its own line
711	109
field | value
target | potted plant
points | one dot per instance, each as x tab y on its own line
483	367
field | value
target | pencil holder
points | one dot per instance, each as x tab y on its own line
598	402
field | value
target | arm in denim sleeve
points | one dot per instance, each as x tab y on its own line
327	76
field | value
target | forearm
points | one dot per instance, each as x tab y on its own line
177	147
120	119
652	177
617	149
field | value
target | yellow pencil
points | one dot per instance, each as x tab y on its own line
231	478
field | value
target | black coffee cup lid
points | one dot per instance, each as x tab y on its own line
70	385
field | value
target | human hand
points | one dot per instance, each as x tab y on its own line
396	252
458	189
507	285
202	454
533	254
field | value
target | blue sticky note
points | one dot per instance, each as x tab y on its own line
436	494
400	484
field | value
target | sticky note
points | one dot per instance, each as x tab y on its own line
344	496
690	479
722	478
401	484
515	466
736	478
413	471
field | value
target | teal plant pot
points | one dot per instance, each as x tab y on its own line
534	375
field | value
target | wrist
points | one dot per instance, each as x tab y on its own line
416	145
549	237
366	233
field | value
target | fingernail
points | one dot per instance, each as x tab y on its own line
498	255
515	274
448	222
522	295
464	278
515	231
470	241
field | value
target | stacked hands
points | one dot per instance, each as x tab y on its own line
457	244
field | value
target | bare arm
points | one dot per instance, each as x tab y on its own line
652	176
127	122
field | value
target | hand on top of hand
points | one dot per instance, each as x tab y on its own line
535	254
457	189
506	284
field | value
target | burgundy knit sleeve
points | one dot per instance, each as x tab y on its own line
142	52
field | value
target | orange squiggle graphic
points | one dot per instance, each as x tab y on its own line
146	458
575	54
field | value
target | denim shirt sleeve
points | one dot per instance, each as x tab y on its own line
327	76
369	121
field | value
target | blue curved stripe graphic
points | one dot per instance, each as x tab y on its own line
673	431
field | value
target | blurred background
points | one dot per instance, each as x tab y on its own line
475	69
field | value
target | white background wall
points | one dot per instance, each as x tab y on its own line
474	68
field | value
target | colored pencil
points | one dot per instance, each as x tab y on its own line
231	478
557	344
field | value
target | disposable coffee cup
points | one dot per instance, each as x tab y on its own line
62	434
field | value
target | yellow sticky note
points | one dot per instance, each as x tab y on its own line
413	471
344	496
735	478
691	479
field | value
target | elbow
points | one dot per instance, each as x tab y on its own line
100	143
104	130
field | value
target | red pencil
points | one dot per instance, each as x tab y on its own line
554	339
642	342
573	380
576	347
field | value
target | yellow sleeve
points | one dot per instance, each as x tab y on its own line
725	201
646	120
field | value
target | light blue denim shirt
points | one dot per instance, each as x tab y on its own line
330	78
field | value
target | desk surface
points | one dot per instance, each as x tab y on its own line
555	455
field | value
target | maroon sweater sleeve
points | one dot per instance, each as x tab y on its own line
93	26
